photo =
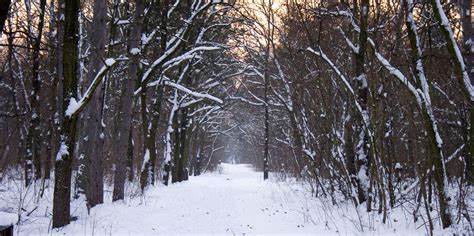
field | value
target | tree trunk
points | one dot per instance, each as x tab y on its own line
130	147
150	126
362	147
298	144
166	172
184	147
351	157
33	139
267	131
197	164
62	186
462	73
127	103
50	111
177	149
93	128
435	150
468	37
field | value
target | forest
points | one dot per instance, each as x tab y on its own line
361	109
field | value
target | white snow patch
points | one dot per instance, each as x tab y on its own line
363	80
362	177
7	219
73	106
110	61
123	22
146	159
311	154
134	51
398	166
63	151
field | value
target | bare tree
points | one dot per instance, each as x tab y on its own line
93	120
62	184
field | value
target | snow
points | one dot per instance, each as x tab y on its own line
7	219
399	75
363	178
469	43
193	93
146	38
454	154
73	106
398	166
235	202
365	10
458	56
363	80
134	51
169	130
123	22
63	151
311	154
146	159
110	61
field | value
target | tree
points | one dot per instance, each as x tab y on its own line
62	183
92	169
71	109
32	158
127	98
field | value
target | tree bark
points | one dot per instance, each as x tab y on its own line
468	37
92	178
429	121
177	149
49	93
184	147
127	103
150	126
267	126
63	166
464	78
33	139
362	147
130	147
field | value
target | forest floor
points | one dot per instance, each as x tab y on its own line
235	201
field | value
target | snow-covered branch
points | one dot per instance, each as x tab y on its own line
192	93
75	107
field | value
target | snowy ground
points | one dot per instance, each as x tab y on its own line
235	202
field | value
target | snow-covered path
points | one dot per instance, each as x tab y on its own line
234	202
237	201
